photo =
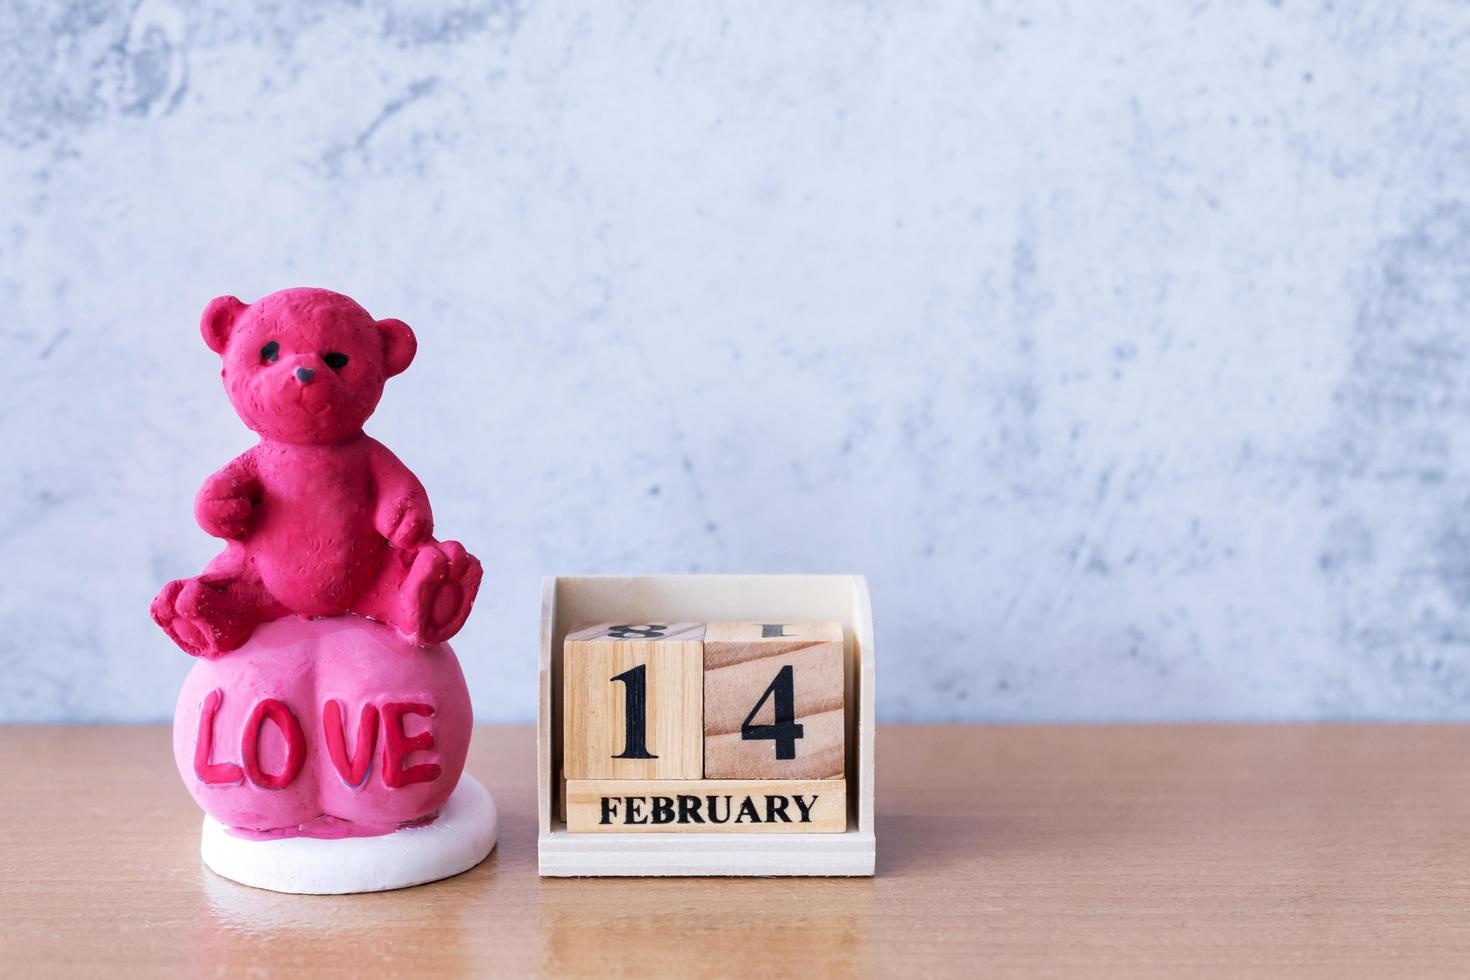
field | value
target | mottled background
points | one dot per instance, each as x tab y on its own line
1122	345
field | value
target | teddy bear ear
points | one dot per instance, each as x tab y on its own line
218	320
399	346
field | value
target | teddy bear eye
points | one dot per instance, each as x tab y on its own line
336	361
270	351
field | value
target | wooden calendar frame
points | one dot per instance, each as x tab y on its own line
568	601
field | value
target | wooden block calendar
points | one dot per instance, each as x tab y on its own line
714	725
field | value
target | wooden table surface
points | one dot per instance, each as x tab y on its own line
1005	851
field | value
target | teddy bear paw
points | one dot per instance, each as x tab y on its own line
439	590
195	616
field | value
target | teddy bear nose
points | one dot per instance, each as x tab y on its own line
304	374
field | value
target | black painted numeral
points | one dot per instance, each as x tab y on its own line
652	631
785	730
635	713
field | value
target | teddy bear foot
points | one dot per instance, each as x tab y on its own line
439	590
194	616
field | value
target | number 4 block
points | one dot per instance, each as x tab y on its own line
773	701
632	701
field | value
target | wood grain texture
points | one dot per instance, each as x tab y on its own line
706	806
1190	851
594	707
741	660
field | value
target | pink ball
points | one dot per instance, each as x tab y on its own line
323	728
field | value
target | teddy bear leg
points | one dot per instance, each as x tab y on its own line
425	594
216	612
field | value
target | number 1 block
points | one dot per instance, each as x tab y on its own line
632	701
773	701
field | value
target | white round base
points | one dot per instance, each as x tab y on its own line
459	839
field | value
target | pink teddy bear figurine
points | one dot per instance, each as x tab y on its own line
319	518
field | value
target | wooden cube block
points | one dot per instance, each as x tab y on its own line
773	701
709	806
632	705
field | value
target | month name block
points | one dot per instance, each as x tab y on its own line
709	806
632	704
773	701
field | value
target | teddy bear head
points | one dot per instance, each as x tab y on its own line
305	366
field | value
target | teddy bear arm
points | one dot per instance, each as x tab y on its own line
227	499
402	514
